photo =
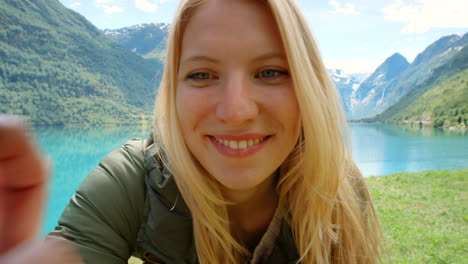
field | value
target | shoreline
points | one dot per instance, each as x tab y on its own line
414	124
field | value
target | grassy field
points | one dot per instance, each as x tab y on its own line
424	216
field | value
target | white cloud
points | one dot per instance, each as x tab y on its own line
112	9
75	4
105	5
348	8
146	5
353	66
422	15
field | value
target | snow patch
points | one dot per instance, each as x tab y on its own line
164	26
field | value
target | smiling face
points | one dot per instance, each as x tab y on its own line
235	98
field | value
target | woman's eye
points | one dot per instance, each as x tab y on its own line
271	74
199	76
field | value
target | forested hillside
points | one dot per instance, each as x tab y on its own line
379	93
442	100
56	68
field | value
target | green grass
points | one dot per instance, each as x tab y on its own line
424	216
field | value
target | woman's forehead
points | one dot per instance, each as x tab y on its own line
218	9
224	25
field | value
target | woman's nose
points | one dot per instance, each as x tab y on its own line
237	103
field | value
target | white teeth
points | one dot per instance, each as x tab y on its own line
242	144
233	144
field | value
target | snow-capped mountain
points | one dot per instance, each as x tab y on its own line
148	40
346	84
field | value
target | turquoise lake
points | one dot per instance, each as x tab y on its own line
377	150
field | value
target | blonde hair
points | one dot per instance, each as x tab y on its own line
340	225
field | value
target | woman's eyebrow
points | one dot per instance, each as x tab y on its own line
270	55
266	56
201	58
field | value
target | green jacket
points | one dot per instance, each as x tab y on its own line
130	205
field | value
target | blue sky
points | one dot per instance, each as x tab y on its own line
353	35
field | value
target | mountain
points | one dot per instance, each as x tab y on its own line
346	84
147	40
58	69
376	95
371	93
441	100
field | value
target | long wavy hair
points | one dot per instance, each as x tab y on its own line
339	224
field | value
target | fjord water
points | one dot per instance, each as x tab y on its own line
75	152
384	149
377	150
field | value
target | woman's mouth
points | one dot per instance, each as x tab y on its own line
240	144
234	146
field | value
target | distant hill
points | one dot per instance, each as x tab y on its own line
58	69
148	40
395	80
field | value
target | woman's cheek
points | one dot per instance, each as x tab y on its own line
193	105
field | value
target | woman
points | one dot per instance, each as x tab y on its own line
249	162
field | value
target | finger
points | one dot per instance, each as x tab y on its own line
21	164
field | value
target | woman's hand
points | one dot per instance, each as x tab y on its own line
49	251
23	183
